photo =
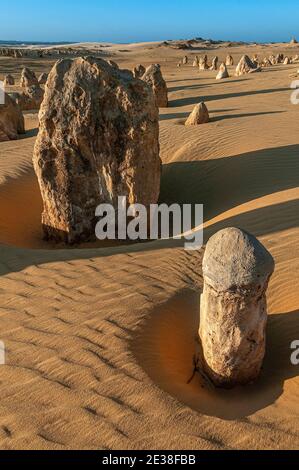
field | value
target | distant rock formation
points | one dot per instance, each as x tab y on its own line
255	60
196	61
223	73
185	60
28	78
9	80
246	66
42	80
203	63
138	71
266	62
286	61
11	120
154	78
233	313
199	115
31	98
294	41
229	61
214	65
273	60
98	140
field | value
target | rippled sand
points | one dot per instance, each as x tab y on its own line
100	340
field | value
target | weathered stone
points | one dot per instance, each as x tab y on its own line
138	71
223	73
229	61
98	140
28	78
199	115
31	98
153	77
233	314
43	79
214	65
203	63
185	60
196	61
246	66
9	80
266	62
286	61
11	120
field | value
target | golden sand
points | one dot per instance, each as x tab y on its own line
100	341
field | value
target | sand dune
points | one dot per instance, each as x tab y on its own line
100	340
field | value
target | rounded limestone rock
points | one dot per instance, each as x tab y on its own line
233	316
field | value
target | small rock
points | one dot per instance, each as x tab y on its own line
214	65
229	61
199	115
31	98
203	63
223	73
153	77
246	66
138	71
11	120
28	78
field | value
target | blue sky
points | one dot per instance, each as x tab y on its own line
140	20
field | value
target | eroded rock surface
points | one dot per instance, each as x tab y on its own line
11	120
98	139
246	66
28	78
154	78
223	73
233	315
199	115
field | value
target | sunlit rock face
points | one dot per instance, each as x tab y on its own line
233	314
98	139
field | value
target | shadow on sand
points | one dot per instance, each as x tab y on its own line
214	183
166	354
194	99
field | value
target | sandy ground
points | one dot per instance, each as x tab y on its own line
100	340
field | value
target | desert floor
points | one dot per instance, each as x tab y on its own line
100	341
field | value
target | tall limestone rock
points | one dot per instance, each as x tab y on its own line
98	140
233	314
154	78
